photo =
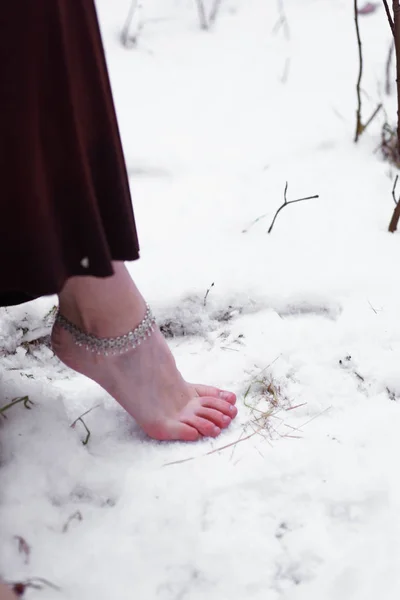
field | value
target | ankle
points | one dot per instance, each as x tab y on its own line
105	307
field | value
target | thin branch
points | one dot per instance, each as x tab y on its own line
359	127
388	85
389	16
394	190
286	203
128	22
202	14
285	23
372	117
207	292
214	12
396	213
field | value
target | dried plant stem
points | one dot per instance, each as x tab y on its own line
80	419
24	399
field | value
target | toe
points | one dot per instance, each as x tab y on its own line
215	416
208	390
174	430
222	405
204	426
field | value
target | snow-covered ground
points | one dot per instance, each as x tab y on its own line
213	125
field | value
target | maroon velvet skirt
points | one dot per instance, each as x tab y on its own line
65	201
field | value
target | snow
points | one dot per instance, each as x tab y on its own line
213	125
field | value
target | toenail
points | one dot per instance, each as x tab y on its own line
231	408
217	430
225	395
226	419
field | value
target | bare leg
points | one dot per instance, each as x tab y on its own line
144	380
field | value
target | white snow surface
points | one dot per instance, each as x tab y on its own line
213	125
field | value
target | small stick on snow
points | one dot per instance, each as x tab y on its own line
286	203
207	292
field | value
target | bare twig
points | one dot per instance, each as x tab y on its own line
80	418
214	12
24	399
282	21
130	40
202	14
394	190
207	292
388	85
372	117
286	28
359	127
286	203
389	16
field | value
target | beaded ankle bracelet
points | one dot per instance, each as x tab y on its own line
116	345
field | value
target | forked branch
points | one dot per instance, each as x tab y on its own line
286	203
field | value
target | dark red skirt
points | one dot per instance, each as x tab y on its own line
65	202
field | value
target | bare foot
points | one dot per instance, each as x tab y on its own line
147	383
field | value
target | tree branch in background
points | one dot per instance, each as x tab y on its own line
396	29
360	128
389	16
286	203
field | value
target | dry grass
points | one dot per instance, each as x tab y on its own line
267	404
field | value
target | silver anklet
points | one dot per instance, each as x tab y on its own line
116	345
